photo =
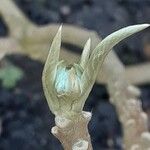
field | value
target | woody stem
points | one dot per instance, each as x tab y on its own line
73	134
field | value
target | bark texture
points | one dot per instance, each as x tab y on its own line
73	134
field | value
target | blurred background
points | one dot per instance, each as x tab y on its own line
25	119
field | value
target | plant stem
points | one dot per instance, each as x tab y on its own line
73	134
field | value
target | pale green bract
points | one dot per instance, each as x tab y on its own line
67	87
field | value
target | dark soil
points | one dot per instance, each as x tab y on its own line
24	113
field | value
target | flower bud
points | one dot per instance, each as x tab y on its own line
68	80
67	87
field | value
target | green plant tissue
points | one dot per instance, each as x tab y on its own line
9	76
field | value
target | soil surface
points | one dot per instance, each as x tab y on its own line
24	114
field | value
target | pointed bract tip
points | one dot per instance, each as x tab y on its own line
60	28
88	44
144	26
89	41
58	35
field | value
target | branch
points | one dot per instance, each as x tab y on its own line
73	133
9	45
138	74
13	17
134	120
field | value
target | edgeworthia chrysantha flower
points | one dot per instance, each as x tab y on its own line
67	87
